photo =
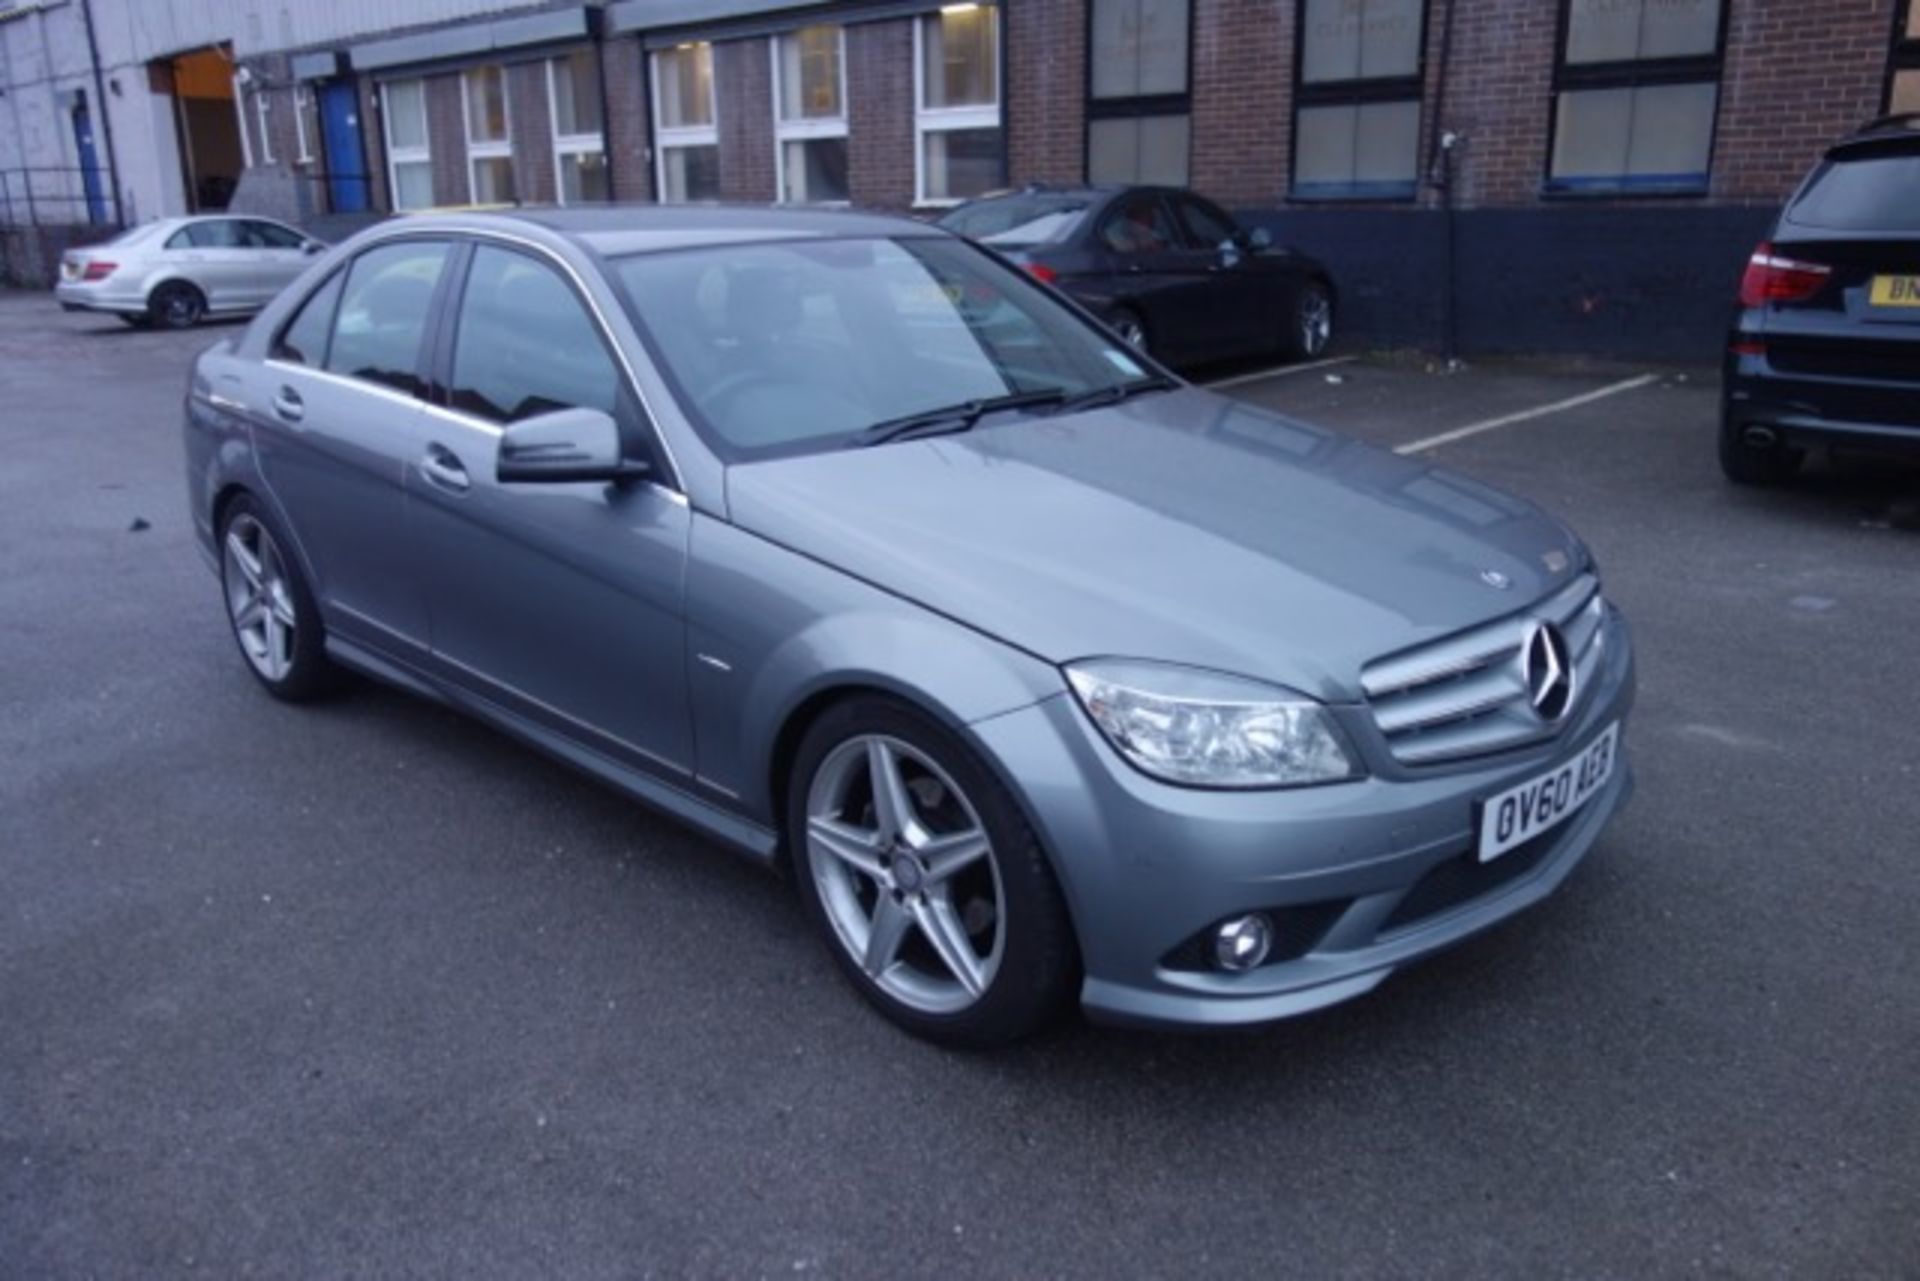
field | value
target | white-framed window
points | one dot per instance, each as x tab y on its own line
958	147
240	119
263	114
403	117
686	135
302	105
810	115
483	101
579	131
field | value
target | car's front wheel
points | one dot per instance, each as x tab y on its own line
270	607
932	891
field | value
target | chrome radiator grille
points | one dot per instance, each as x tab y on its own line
1471	694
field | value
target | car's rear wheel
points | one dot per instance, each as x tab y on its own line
270	607
930	887
1754	459
1132	329
1310	328
176	305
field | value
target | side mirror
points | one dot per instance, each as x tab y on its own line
1260	238
567	444
313	247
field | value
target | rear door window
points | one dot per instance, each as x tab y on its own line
525	344
383	313
1862	193
1139	225
216	233
304	340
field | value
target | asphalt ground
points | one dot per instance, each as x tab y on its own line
366	989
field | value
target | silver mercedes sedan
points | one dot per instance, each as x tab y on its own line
175	271
1046	675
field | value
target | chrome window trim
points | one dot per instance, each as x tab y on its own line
676	484
455	416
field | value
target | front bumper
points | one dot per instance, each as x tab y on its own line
1360	877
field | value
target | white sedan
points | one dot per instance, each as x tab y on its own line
174	271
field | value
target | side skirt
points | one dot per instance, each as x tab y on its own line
743	836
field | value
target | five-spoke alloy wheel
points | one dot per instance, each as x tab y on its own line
1312	328
272	612
931	888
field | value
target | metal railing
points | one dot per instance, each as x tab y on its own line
55	196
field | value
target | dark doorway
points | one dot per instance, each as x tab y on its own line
206	122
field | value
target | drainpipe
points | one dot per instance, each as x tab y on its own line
1440	175
598	18
106	110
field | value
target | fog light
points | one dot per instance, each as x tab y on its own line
1243	942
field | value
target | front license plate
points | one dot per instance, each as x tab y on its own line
1521	813
1895	291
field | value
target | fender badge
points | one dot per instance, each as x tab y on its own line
1495	579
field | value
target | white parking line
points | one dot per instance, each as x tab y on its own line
1539	411
1280	372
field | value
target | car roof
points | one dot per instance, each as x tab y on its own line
617	230
1089	191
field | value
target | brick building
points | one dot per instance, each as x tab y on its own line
1572	175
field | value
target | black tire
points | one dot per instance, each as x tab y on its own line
300	671
176	305
1132	329
1758	465
1310	322
1038	970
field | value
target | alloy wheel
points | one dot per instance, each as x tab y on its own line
906	873
1316	321
259	597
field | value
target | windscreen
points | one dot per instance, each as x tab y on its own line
1030	218
1871	192
803	345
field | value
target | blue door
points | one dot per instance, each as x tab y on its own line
89	162
346	158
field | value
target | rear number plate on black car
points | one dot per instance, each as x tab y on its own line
1521	813
1895	291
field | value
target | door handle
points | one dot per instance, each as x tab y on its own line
443	468
287	404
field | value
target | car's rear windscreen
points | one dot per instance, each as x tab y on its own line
1862	192
1024	219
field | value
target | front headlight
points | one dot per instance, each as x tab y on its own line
1203	729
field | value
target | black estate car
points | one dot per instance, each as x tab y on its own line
1170	271
1825	348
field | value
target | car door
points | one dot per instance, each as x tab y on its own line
342	415
1242	297
558	602
216	260
277	255
1158	276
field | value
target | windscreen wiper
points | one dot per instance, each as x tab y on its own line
952	418
1118	392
